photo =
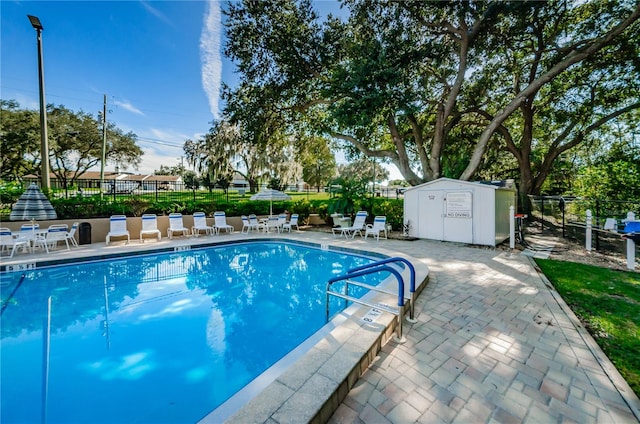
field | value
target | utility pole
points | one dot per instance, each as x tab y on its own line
104	142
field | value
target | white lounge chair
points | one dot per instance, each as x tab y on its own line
29	227
357	227
117	228
150	226
245	224
11	242
220	222
176	225
29	233
254	223
379	227
71	234
293	222
49	240
282	219
248	225
200	224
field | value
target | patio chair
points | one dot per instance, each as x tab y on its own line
29	233
248	225
357	227
117	228
29	227
200	224
220	222
55	233
176	225
272	224
292	223
245	224
71	234
11	242
282	219
379	226
150	226
254	223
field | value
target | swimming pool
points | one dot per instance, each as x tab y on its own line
157	338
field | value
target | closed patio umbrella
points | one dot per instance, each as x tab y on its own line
32	205
270	195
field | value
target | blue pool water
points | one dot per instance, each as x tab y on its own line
156	338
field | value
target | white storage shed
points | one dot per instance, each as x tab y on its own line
459	211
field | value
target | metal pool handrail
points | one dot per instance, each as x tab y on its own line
412	281
370	270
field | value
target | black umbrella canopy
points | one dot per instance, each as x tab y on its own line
33	204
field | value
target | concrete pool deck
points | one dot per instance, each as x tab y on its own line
494	342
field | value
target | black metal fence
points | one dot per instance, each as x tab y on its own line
161	190
566	217
153	190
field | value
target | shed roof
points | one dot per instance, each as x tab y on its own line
444	180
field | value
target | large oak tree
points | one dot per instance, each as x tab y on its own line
430	86
75	142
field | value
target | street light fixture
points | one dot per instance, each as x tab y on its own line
44	143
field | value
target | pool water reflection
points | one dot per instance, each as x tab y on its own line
156	338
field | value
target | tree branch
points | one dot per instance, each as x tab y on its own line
572	58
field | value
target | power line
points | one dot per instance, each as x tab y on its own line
97	103
160	142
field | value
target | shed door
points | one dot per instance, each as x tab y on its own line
457	216
430	214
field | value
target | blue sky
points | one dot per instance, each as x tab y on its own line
160	63
147	57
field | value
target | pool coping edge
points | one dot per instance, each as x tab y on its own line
311	390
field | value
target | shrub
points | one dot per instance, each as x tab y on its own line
95	207
10	191
302	208
88	207
137	205
393	209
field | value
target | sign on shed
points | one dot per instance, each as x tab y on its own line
460	211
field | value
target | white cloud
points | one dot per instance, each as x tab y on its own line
126	105
210	55
169	136
154	157
26	102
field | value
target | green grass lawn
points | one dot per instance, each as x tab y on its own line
608	304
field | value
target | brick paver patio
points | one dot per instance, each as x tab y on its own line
493	344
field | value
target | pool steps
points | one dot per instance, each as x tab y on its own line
412	278
373	268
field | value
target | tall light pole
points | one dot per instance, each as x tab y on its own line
44	142
104	144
